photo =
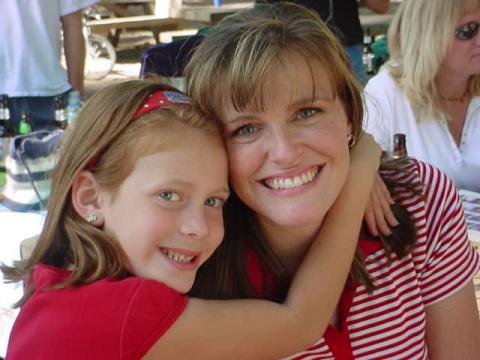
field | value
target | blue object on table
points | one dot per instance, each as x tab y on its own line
217	3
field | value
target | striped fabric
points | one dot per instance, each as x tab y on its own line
390	322
31	158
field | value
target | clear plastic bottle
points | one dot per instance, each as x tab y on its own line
73	105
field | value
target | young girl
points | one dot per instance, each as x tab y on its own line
280	84
136	208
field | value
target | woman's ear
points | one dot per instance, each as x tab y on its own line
87	199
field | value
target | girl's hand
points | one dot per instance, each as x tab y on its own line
364	159
378	214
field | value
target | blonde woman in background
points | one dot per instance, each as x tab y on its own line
430	88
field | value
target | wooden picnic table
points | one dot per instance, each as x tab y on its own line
152	22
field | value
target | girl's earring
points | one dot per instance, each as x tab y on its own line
351	140
91	218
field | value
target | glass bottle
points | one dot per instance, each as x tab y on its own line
6	132
368	55
399	145
26	122
60	115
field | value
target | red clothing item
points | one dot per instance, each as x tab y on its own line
108	319
390	322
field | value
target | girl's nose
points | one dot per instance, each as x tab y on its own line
194	222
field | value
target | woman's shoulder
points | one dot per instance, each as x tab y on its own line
382	80
423	189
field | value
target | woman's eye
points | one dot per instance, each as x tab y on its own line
245	130
307	113
214	202
169	196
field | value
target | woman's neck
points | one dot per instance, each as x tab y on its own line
289	244
450	86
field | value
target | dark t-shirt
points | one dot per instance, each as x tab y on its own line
341	15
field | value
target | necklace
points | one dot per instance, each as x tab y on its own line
462	98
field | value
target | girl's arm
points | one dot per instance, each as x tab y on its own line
259	329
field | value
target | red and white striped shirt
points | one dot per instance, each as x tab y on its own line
390	322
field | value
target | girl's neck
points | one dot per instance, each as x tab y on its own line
289	244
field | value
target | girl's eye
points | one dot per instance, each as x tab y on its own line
307	113
245	130
169	196
214	202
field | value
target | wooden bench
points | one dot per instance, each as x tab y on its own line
152	22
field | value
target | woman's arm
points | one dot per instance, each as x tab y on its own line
379	6
452	321
453	327
261	329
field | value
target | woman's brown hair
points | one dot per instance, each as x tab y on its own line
104	128
230	66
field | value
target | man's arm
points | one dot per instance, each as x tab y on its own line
379	6
74	46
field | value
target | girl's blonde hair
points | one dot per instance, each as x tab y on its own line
419	38
103	127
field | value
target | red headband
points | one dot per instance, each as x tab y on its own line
155	100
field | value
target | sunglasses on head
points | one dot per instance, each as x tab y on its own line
467	31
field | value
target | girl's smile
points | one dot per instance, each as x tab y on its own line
167	214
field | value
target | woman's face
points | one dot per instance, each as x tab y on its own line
463	57
289	161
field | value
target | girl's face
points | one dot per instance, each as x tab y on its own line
289	162
463	58
167	214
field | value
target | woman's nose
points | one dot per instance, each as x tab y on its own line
285	148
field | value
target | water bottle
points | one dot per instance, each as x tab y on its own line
73	106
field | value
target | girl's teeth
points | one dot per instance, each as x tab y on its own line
293	182
178	257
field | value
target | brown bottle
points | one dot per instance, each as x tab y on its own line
399	146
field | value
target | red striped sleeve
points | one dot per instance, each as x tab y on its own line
451	261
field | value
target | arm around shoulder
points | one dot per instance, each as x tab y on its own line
247	329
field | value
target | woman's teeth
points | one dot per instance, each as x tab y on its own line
292	182
178	257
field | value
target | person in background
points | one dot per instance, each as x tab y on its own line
430	88
343	18
279	82
136	208
31	73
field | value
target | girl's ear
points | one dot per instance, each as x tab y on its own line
86	198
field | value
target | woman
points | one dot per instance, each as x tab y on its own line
288	100
430	88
